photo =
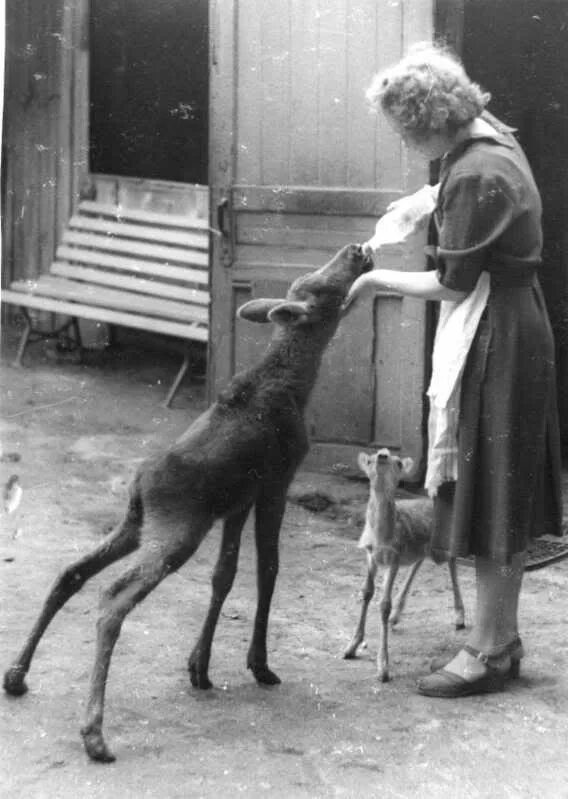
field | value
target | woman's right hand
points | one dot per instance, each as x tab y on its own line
358	290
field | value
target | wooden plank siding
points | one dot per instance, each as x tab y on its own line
45	145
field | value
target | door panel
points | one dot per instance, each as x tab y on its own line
302	168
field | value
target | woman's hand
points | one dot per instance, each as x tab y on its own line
422	285
360	288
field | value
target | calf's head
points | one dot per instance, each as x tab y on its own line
315	298
384	470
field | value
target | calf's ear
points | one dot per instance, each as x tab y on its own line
257	310
407	466
289	312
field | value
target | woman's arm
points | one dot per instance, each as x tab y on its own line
423	285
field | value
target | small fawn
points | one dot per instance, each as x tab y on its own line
396	533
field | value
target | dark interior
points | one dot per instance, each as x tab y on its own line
518	50
149	89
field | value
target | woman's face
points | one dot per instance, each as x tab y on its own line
433	147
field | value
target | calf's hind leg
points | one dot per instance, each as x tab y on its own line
120	543
400	601
222	582
154	562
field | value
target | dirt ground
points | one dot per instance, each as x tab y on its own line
330	729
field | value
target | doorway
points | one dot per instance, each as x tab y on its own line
149	89
516	49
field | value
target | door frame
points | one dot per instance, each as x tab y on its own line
222	75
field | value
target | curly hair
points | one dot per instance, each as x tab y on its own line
427	92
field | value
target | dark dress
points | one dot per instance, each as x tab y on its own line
508	487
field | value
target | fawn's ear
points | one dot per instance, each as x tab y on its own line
364	462
289	312
257	310
407	466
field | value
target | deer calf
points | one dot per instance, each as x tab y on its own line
396	533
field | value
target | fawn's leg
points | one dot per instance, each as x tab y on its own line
400	600
222	582
385	607
154	562
268	519
120	543
458	601
366	595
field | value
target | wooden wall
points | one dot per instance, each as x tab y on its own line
45	135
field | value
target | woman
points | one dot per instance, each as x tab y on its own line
502	488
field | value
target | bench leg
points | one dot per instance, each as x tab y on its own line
31	334
178	378
77	333
24	339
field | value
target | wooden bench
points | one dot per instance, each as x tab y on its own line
140	269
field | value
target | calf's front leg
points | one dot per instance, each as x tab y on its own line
222	582
268	520
367	593
385	607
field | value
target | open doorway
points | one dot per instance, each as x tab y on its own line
516	49
149	87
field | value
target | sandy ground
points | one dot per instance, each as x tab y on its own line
330	729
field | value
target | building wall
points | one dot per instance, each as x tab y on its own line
44	146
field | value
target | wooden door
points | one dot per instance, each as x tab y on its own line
300	167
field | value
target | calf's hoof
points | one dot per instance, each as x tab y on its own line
95	746
350	653
199	678
264	676
14	683
384	676
460	625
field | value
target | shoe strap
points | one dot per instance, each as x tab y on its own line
477	654
483	658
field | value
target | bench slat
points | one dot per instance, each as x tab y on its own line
137	266
119	213
114	229
170	255
192	330
153	287
57	288
130	267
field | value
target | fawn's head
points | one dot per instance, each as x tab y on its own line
384	470
315	298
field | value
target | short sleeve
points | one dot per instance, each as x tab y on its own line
474	211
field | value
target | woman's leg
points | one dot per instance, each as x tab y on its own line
495	621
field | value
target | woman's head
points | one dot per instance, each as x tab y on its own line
427	94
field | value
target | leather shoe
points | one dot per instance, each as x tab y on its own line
445	684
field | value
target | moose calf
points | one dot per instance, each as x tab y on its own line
241	453
396	533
